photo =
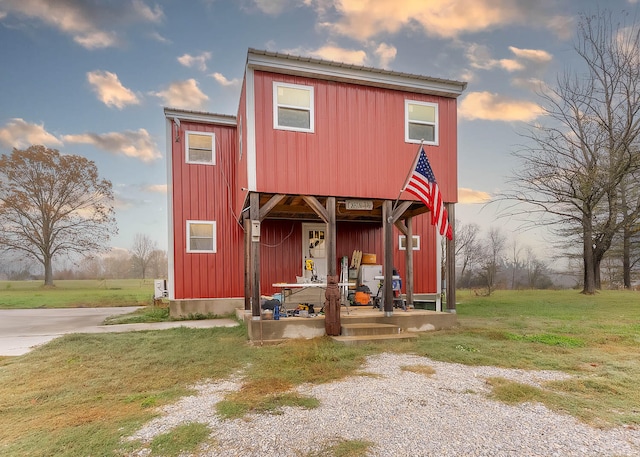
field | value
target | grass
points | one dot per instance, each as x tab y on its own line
75	293
82	394
344	448
183	438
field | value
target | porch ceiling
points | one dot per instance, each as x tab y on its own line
295	207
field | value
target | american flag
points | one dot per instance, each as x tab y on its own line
422	183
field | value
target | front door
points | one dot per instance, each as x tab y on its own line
314	252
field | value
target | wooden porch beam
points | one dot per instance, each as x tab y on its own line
399	211
272	203
317	207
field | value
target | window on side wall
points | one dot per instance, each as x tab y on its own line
293	107
200	148
201	236
402	242
421	122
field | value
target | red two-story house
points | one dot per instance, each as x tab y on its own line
310	167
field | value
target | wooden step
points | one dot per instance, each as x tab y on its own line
365	339
369	328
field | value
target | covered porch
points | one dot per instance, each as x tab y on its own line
330	210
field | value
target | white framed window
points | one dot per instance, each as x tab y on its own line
293	107
421	122
402	242
201	236
200	147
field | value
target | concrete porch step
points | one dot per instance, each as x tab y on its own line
369	328
364	339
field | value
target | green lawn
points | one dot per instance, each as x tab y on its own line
76	293
80	394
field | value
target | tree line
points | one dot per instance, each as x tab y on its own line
142	261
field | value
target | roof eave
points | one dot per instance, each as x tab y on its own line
334	71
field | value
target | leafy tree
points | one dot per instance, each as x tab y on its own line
53	204
571	173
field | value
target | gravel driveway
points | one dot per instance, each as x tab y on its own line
404	414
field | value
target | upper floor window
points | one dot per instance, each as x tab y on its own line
200	147
421	122
201	236
293	107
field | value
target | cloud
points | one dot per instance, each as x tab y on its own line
223	81
158	188
199	62
109	89
526	60
159	38
84	20
472	196
363	19
534	55
137	144
493	107
2	15
20	134
386	54
272	7
142	10
183	95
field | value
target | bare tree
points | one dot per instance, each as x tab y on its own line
158	264
516	250
571	173
492	257
468	247
53	204
142	251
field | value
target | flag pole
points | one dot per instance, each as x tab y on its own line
406	181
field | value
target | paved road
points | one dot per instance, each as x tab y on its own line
23	329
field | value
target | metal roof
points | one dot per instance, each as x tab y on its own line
339	71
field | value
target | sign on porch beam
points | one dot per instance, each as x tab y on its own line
361	205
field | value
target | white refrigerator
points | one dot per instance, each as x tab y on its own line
366	275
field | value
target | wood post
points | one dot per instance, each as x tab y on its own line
254	215
387	230
247	263
332	294
408	256
451	261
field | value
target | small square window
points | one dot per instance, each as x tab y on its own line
200	148
201	236
293	107
421	122
402	242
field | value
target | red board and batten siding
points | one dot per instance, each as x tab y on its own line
358	147
206	192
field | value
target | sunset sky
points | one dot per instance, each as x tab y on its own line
91	77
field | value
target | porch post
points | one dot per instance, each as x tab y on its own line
332	303
254	215
387	230
247	263
409	261
451	261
